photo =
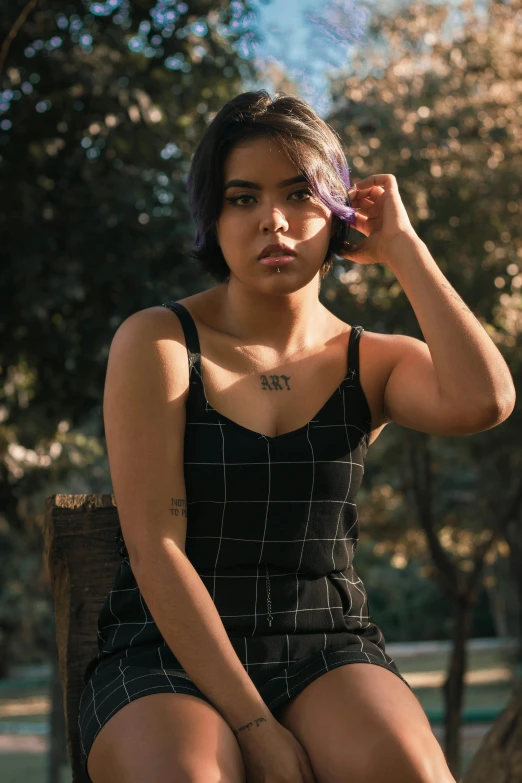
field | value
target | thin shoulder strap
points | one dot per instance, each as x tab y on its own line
189	327
353	351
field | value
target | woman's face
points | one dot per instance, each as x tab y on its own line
253	217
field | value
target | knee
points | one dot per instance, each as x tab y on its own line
404	759
230	769
214	774
396	759
428	763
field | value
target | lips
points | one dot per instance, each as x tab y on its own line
277	250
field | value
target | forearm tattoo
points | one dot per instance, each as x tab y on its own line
178	507
454	295
276	385
257	721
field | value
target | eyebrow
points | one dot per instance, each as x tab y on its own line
244	183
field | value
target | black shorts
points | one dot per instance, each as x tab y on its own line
277	676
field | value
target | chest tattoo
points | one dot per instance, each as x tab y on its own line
275	383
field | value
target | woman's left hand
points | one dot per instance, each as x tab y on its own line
380	216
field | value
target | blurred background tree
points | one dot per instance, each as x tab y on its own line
102	105
445	117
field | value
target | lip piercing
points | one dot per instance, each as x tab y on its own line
278	269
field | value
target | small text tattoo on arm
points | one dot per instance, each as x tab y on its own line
178	507
276	383
248	726
456	297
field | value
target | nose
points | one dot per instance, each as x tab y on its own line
274	220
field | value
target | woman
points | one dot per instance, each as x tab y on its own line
237	610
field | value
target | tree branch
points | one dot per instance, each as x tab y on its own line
31	5
502	520
419	458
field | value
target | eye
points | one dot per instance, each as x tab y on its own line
234	199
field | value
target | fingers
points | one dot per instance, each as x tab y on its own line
384	181
367	207
372	187
364	196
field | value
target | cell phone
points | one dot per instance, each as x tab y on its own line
343	233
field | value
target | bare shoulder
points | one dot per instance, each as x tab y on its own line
151	320
151	342
380	354
377	356
156	323
382	351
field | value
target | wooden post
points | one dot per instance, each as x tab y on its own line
81	554
58	761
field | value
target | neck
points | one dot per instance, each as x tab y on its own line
285	323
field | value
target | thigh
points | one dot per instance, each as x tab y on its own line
167	738
360	723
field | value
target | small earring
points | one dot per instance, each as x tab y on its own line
278	269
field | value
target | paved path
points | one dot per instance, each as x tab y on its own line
23	743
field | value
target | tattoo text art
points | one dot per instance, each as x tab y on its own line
257	721
178	507
276	385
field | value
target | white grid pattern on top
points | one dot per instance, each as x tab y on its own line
286	502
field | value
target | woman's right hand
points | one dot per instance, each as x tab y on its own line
274	755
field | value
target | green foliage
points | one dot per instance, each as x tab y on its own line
438	107
406	604
101	107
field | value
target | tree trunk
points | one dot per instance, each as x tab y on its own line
454	685
514	538
499	758
497	596
4	653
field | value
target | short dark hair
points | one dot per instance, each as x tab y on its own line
310	143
